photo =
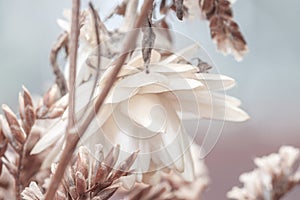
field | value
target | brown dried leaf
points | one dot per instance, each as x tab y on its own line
101	175
148	41
29	116
15	128
224	30
107	192
50	97
3	143
124	167
179	9
81	184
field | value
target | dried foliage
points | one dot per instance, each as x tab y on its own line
275	176
17	138
51	106
91	176
172	186
224	30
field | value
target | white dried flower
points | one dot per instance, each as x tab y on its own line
276	175
145	112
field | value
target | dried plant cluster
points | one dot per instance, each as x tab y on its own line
18	137
41	156
275	176
89	177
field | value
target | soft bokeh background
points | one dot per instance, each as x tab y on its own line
268	80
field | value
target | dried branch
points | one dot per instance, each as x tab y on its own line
224	30
73	139
60	80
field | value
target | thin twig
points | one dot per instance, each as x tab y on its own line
60	78
96	26
73	139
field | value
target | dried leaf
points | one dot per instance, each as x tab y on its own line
50	96
29	116
224	30
148	41
15	128
80	183
123	168
3	143
179	9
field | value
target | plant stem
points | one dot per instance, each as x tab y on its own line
74	35
18	184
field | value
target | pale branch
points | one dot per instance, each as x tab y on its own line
74	36
73	139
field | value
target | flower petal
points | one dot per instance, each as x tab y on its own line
215	81
147	111
172	68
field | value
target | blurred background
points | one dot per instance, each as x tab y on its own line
268	80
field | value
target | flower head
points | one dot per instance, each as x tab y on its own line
145	112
